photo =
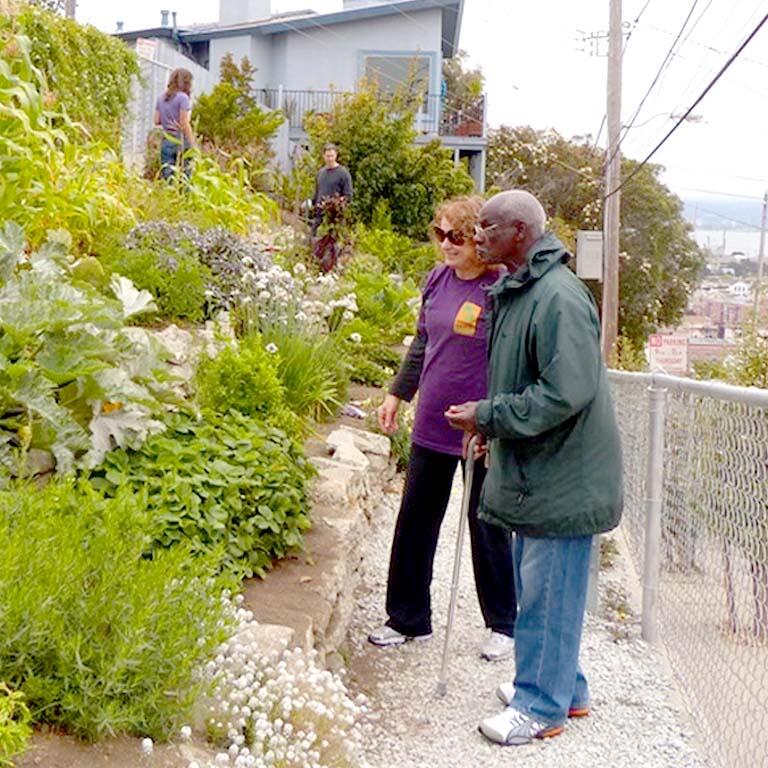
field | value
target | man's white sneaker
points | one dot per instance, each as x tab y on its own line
385	635
513	728
497	647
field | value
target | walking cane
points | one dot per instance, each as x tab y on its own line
469	471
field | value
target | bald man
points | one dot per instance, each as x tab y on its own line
555	471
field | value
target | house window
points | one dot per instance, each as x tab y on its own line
390	72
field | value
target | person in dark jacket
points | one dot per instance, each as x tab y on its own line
446	360
332	179
555	473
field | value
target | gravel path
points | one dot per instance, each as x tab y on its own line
634	721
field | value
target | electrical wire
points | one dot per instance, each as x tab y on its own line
690	109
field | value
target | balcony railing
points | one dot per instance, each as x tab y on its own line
434	117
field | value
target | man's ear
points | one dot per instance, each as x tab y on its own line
522	231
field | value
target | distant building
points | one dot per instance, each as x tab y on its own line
306	60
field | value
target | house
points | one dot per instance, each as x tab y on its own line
305	60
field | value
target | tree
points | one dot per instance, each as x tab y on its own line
660	263
231	124
463	86
375	136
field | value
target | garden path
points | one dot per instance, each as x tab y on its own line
635	718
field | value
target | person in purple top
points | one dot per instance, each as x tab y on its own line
446	360
172	112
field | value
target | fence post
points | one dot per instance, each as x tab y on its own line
654	490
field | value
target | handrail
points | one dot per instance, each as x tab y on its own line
718	390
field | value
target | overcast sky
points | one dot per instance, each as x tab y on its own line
537	75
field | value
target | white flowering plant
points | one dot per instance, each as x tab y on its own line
280	710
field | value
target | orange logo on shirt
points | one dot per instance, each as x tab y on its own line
465	323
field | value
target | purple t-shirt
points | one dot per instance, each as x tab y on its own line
170	111
455	361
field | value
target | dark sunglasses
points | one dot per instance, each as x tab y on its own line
457	238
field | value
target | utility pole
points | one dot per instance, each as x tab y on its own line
611	213
69	8
761	257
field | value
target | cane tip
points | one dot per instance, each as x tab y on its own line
442	688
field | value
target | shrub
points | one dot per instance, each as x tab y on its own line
228	484
388	306
397	253
375	135
14	724
177	280
100	638
230	123
242	378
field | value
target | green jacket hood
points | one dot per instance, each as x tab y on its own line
544	254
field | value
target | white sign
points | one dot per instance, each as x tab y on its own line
668	353
589	255
146	48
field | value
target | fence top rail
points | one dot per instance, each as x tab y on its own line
715	389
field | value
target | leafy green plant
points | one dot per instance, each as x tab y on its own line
74	379
14	724
227	484
397	253
311	368
242	378
100	638
386	305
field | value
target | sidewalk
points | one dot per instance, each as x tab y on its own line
634	721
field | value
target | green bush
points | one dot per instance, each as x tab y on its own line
178	282
242	378
375	135
14	724
388	306
397	253
100	638
311	368
227	484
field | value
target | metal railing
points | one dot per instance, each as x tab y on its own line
696	515
434	116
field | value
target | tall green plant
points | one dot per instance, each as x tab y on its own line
87	72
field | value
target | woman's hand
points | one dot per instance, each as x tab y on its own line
387	414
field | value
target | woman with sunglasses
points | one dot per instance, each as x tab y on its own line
446	363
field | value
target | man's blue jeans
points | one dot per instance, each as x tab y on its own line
551	578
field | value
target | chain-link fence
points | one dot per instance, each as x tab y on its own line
696	515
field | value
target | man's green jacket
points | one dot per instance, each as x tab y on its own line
555	455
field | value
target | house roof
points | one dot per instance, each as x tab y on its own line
305	21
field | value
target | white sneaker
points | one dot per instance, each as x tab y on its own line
386	635
497	647
513	728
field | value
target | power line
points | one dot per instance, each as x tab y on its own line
690	109
727	218
655	80
721	194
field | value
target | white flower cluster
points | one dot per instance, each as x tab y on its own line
280	710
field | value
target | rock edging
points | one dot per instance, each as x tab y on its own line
312	596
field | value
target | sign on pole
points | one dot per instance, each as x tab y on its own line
589	255
668	353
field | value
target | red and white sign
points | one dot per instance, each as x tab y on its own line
145	48
668	353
